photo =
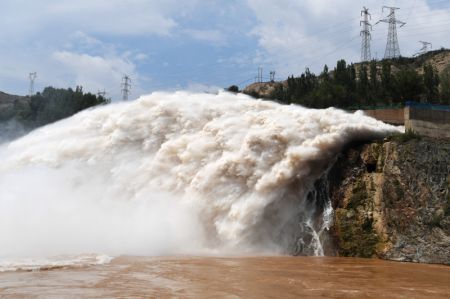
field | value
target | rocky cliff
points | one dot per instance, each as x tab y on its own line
392	200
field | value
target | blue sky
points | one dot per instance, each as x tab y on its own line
193	44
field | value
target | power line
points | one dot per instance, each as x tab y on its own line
420	34
211	68
216	72
411	10
424	11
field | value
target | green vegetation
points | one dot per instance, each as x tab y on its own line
359	195
409	134
365	85
233	88
445	85
357	236
55	104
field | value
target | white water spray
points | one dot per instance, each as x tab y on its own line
176	173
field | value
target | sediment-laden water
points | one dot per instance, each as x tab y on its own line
243	277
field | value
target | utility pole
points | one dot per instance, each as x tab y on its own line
32	77
272	76
366	35
426	46
392	47
126	86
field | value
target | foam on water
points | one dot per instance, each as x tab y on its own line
171	173
56	262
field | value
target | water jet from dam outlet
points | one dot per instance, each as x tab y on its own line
170	174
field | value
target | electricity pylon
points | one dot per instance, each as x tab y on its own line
272	76
101	93
32	77
392	47
259	78
426	46
126	86
366	35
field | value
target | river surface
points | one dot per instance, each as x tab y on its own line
233	277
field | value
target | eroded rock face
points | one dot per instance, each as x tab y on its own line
392	200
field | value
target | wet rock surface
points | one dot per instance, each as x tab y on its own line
392	200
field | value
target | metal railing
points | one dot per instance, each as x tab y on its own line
427	106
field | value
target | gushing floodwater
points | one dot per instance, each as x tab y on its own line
172	173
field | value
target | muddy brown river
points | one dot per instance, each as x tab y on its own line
233	277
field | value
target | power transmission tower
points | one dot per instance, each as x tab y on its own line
366	35
101	93
426	46
32	77
126	86
259	78
392	47
272	76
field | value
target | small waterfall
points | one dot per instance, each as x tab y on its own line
315	221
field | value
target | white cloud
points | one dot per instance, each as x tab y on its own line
81	40
140	57
113	17
93	42
423	23
300	34
64	41
200	87
95	73
80	60
211	36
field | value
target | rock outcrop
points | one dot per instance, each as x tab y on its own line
263	90
392	200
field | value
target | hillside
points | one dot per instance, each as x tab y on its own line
9	104
19	115
439	59
409	70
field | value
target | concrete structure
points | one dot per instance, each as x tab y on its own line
426	120
389	116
